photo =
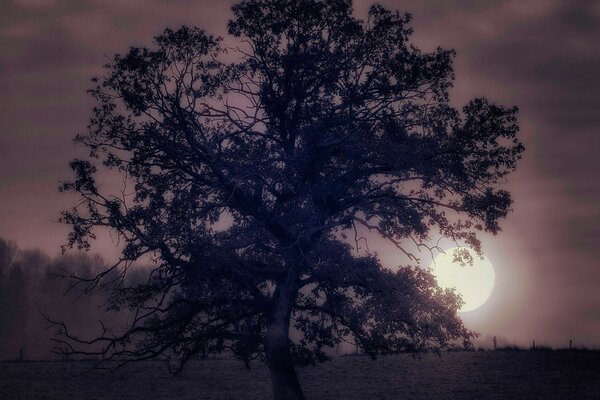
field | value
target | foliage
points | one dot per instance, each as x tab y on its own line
248	168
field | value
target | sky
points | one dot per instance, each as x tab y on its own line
541	55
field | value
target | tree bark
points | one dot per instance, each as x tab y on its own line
284	379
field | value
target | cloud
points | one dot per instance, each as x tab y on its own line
37	4
20	30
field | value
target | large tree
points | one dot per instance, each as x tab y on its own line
249	169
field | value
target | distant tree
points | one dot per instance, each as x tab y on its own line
30	288
8	254
249	169
14	297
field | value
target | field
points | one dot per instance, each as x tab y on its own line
461	375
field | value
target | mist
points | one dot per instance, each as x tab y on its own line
34	286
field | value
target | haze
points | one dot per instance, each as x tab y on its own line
541	55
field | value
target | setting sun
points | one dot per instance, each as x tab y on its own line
473	282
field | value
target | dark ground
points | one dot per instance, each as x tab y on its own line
503	375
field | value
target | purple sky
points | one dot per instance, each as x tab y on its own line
541	55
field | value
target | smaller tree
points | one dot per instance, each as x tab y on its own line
323	124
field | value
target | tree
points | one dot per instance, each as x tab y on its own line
250	168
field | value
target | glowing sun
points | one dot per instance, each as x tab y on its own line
473	282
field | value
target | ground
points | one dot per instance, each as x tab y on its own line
460	375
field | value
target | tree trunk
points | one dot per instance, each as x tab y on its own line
284	380
277	344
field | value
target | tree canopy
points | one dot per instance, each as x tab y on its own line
248	168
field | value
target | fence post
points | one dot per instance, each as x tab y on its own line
533	345
570	344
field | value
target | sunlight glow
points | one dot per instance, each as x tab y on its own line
473	282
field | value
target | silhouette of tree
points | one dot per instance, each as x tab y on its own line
248	169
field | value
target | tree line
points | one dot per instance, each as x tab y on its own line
32	285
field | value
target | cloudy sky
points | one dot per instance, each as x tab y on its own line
541	55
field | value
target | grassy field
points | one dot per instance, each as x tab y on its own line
461	375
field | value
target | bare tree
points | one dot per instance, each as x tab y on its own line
248	170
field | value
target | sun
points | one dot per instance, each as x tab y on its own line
473	282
